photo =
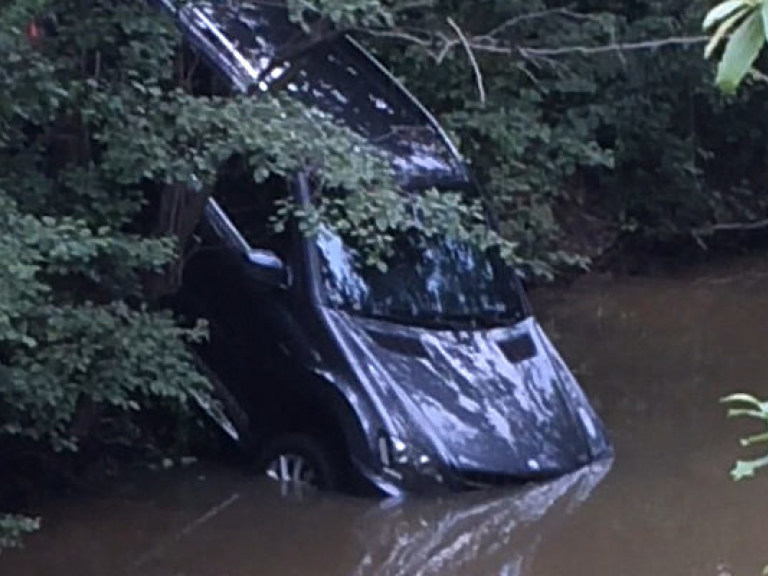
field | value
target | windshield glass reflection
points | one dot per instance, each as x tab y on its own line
436	278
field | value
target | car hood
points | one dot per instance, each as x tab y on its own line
496	401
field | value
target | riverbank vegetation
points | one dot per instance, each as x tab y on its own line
593	127
740	27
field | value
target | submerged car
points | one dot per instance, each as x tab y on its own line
433	373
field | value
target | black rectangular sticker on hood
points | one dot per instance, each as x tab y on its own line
518	348
405	345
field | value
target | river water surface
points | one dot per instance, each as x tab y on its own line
653	354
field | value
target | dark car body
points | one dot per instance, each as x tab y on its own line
411	400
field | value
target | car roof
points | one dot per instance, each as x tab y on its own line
258	47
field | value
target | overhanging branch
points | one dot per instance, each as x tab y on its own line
472	59
732	227
439	43
684	41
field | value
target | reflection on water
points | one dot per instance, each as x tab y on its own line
222	525
499	532
653	354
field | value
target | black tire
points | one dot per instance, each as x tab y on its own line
314	453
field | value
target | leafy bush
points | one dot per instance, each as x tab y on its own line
13	528
751	407
585	146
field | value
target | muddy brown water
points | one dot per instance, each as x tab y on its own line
653	354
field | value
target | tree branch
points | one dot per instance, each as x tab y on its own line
472	59
438	44
425	42
567	12
684	41
732	227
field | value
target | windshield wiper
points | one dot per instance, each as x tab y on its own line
435	320
458	322
475	321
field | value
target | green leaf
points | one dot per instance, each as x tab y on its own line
741	398
752	440
740	53
747	469
721	11
722	31
764	12
739	412
748	406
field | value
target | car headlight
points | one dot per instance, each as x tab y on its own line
399	458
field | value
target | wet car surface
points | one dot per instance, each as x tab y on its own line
473	392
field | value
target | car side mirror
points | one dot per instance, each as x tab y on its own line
266	267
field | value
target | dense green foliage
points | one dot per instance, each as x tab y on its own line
590	138
80	352
742	25
745	405
13	528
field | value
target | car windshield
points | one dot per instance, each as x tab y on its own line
428	280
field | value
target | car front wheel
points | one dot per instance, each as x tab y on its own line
300	461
